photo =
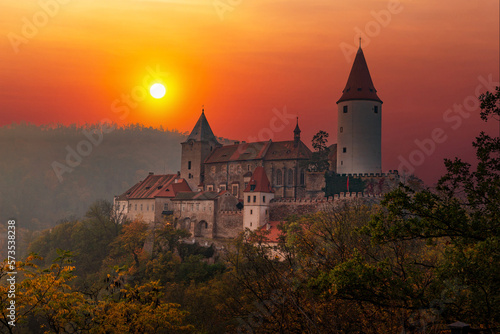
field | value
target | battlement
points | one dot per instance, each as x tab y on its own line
237	212
391	173
326	199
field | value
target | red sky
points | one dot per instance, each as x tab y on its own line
242	61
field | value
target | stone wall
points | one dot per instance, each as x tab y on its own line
281	208
229	224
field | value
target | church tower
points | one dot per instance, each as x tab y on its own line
198	146
359	123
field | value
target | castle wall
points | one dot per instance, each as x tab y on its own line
315	182
285	186
228	175
282	208
229	224
198	217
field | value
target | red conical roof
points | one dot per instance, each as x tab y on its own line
359	85
260	181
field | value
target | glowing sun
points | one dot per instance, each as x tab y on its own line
157	91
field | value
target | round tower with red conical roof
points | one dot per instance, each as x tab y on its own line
359	123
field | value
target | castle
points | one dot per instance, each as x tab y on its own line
223	189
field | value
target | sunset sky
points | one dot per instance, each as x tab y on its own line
76	61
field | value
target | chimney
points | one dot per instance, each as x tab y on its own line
151	173
268	226
236	142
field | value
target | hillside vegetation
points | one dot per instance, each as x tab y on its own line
31	191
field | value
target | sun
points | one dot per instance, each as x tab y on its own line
157	91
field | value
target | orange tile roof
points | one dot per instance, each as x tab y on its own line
154	186
274	232
359	85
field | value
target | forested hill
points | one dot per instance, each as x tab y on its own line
31	157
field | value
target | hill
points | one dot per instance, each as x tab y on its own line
50	173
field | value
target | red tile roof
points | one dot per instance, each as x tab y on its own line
260	181
268	150
274	232
359	85
238	152
286	150
155	186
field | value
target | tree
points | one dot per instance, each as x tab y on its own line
319	160
462	217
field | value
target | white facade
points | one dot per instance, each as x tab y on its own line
359	134
256	209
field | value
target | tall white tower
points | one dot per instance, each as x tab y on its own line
359	123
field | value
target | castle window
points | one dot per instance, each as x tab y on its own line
345	109
250	224
135	208
197	206
341	163
341	129
246	184
248	167
141	207
344	149
212	170
279	177
248	199
266	212
235	190
302	177
375	109
189	164
255	199
251	212
210	187
222	187
165	207
123	208
290	177
147	207
264	199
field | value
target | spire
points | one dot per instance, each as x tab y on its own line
202	130
359	85
296	134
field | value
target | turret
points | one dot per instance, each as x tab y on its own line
359	122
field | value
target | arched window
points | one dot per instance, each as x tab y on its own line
302	177
279	177
290	177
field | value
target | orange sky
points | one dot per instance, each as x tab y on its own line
250	58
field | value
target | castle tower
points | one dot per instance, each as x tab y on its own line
200	143
257	196
359	123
